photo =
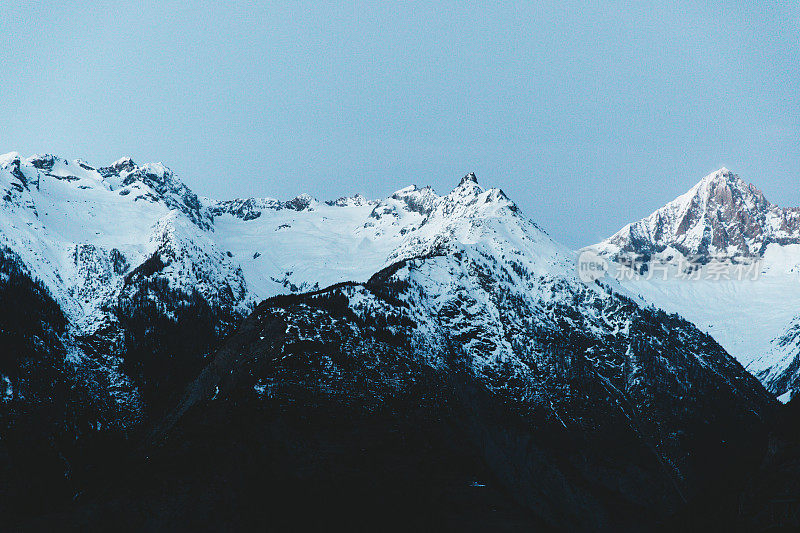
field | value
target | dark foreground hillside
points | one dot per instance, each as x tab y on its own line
330	471
330	411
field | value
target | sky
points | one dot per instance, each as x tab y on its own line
589	115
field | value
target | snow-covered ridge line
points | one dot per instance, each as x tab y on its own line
102	237
82	228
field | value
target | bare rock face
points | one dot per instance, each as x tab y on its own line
721	216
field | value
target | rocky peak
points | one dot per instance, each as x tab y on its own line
9	160
347	201
468	194
467	188
724	189
469	178
300	203
721	216
163	182
12	163
119	166
43	162
419	200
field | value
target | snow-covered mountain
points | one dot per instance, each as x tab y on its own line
420	307
85	231
720	216
728	260
572	396
304	244
132	256
82	231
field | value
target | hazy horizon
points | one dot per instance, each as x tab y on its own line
588	117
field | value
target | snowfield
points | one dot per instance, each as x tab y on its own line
82	230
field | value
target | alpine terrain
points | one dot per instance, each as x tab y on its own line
725	258
421	361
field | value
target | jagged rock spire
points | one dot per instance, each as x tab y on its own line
469	178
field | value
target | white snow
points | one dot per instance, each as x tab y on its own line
81	232
785	397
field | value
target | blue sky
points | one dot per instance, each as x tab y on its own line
589	115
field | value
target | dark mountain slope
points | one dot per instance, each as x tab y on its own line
328	405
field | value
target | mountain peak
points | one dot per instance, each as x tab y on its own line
8	158
469	178
722	175
727	191
722	171
119	166
124	163
722	215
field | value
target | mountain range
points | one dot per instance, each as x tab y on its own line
181	362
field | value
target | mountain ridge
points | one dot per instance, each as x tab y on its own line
451	322
106	241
